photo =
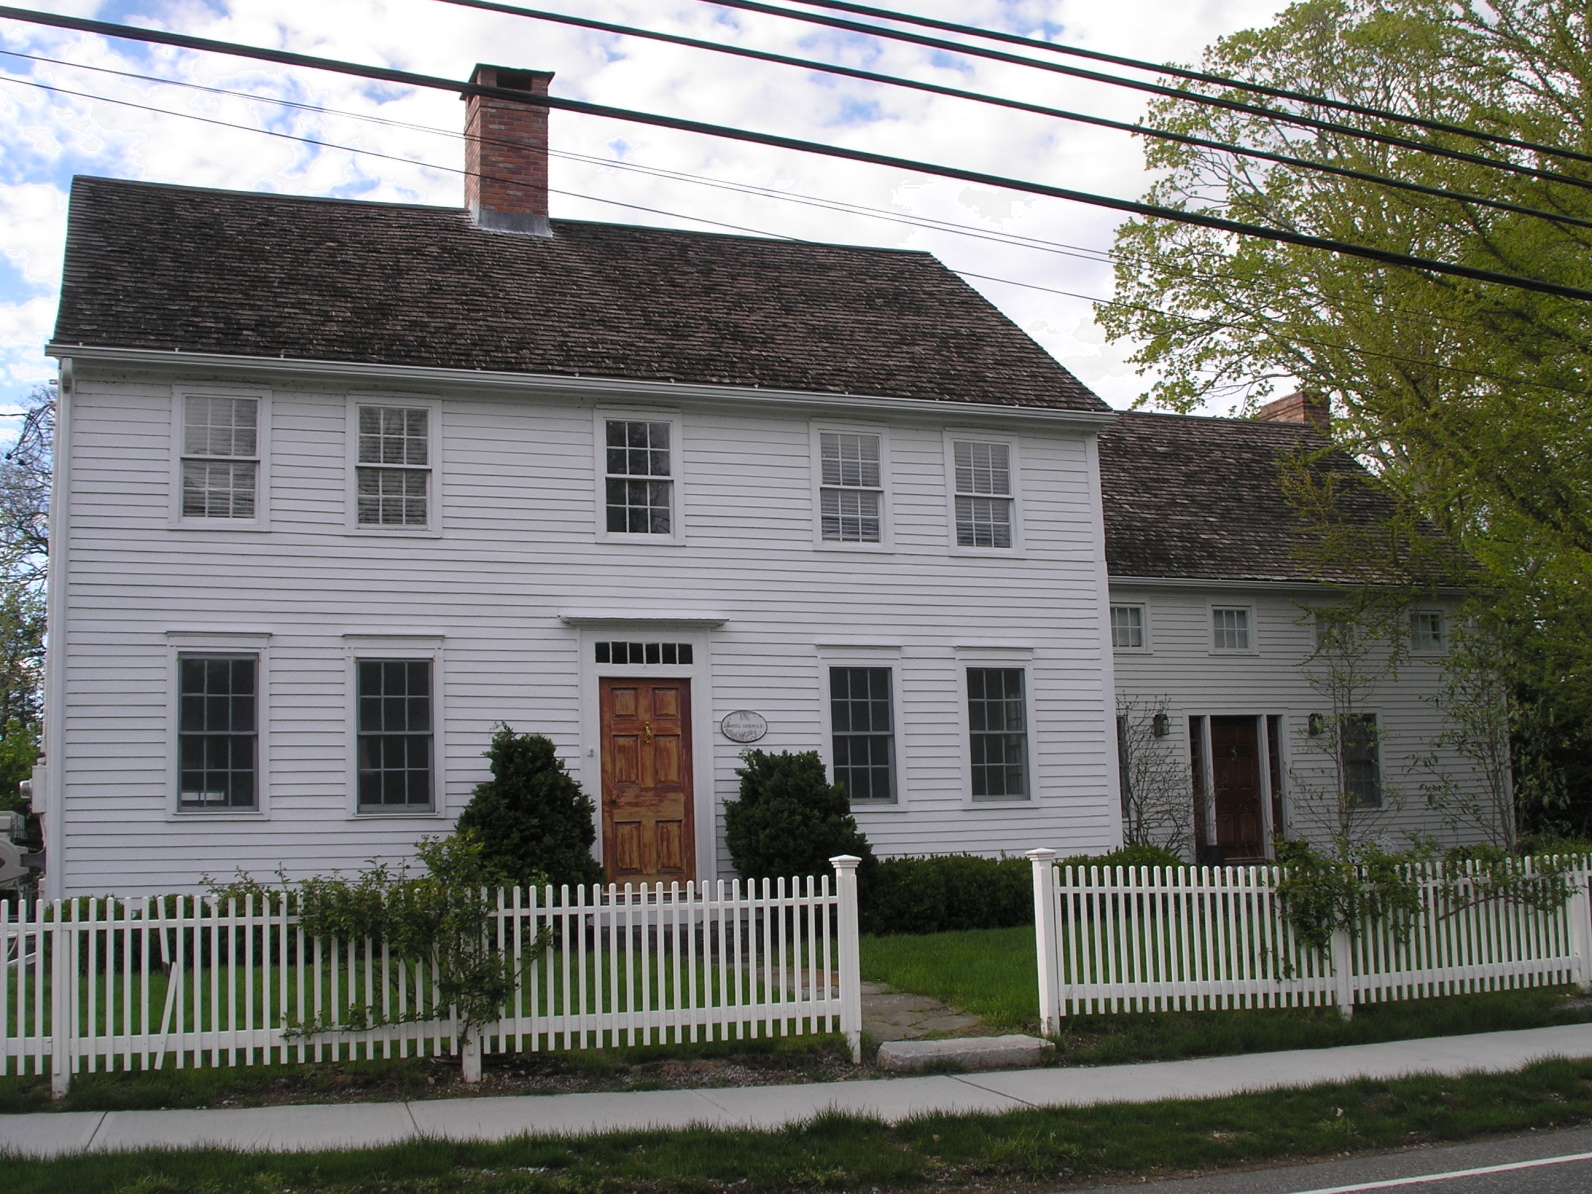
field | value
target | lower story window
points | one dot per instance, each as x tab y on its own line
217	737
1362	760
997	718
395	734
863	725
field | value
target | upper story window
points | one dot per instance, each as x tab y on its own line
1230	629
863	724
851	489
393	466
997	719
1127	627
394	717
1334	631
983	473
1429	630
220	456
217	732
639	484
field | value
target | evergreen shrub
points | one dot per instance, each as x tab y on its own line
790	820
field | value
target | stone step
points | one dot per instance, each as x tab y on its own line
968	1052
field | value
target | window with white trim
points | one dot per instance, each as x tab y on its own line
393	466
393	703
983	470
862	723
1429	630
1127	627
1360	741
997	720
851	488
639	484
217	732
220	456
1230	629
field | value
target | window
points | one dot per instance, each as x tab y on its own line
395	735
1334	631
639	488
1362	761
672	654
983	493
1429	631
1127	627
851	493
220	456
393	469
862	722
1230	629
997	720
216	731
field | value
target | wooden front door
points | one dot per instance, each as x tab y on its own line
1235	783
648	828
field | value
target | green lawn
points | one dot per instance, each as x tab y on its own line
988	973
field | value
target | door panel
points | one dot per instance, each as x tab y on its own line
1235	776
647	809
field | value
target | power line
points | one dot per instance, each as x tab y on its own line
510	95
1178	72
1022	106
1179	93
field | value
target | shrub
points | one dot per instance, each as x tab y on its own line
790	820
948	892
1126	856
534	823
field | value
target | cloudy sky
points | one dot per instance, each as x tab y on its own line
388	143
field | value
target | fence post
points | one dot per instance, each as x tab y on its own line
850	963
63	1005
1343	971
470	1054
1045	948
1579	913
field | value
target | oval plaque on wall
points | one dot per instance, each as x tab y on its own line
743	726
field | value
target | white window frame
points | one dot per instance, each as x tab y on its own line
886	511
1144	627
953	436
262	446
1378	723
433	527
1441	647
1018	659
677	512
1210	628
396	647
874	657
188	643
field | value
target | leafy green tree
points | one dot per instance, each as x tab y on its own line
533	822
24	552
790	820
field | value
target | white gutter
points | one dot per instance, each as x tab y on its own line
579	387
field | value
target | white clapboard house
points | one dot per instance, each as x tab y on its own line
341	486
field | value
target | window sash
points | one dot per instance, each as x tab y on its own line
217	731
997	714
1230	629
1127	626
220	456
1362	760
983	479
639	484
393	716
1430	630
862	727
392	474
851	489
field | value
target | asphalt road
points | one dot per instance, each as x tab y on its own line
1533	1163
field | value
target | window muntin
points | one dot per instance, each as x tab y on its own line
395	738
220	456
639	486
1360	741
851	489
983	493
862	722
393	466
217	732
1127	627
1230	629
997	718
1429	630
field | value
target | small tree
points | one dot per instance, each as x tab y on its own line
1474	701
533	821
1157	798
790	820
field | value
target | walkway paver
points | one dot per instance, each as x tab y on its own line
348	1125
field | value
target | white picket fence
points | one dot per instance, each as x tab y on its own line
189	981
1145	939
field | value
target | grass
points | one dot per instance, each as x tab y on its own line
988	973
1020	1150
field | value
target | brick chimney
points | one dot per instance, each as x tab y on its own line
1302	406
505	153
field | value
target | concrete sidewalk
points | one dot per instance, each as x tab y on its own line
355	1125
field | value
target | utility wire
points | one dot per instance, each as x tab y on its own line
1196	76
511	95
1021	106
1179	93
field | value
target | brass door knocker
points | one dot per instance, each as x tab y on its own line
646	732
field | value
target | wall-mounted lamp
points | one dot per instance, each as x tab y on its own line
1160	724
1317	725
